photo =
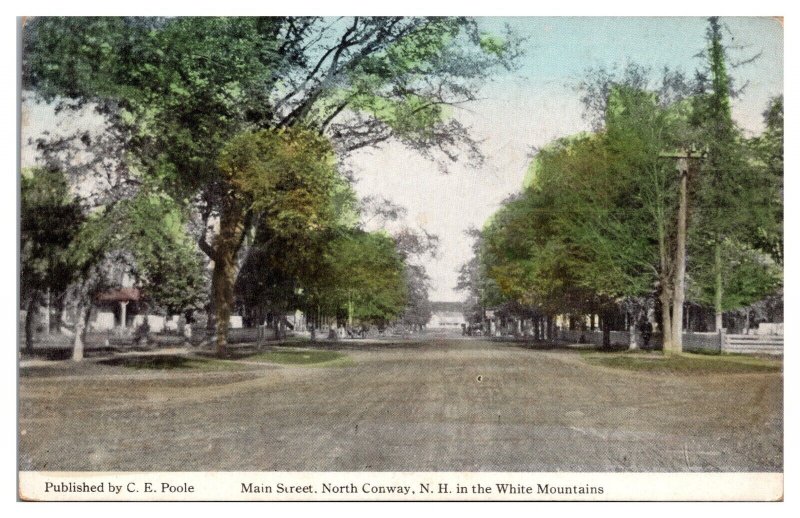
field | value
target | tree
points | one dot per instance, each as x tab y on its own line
285	177
183	88
417	312
648	131
143	238
732	203
309	206
412	246
749	276
365	278
49	221
595	225
767	151
474	279
149	229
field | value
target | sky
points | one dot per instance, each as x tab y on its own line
525	109
538	103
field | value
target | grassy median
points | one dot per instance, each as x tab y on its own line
685	363
171	362
303	357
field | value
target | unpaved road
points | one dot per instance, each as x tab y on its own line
403	408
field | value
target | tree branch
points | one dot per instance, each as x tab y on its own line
202	240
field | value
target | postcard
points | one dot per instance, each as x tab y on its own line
373	258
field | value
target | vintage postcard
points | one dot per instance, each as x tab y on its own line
401	258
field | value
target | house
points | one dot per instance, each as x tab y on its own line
117	308
446	315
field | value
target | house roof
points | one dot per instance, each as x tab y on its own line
120	295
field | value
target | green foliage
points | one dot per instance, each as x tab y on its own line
595	224
291	180
221	112
766	151
146	235
726	179
749	276
365	270
737	208
49	222
282	268
582	234
290	177
167	263
183	88
473	278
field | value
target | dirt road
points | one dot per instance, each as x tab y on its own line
446	405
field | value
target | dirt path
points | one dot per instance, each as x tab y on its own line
461	405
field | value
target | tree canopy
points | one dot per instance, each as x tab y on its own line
182	92
595	226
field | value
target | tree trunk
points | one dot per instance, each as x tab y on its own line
747	321
349	311
680	265
81	321
29	321
226	246
60	312
605	324
718	286
222	288
46	323
666	322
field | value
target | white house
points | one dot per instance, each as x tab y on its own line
446	315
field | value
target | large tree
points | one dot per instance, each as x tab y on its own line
150	230
365	278
183	88
734	202
49	221
142	238
767	149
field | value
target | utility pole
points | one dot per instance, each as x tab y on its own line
683	163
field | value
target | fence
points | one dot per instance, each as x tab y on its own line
703	342
753	344
713	343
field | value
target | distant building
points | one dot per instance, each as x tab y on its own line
446	315
113	311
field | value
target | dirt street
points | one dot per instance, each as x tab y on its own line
445	405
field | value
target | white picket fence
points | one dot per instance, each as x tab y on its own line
713	342
753	344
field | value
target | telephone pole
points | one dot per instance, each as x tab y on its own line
683	161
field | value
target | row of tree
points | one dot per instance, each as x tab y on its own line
665	201
69	258
240	128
